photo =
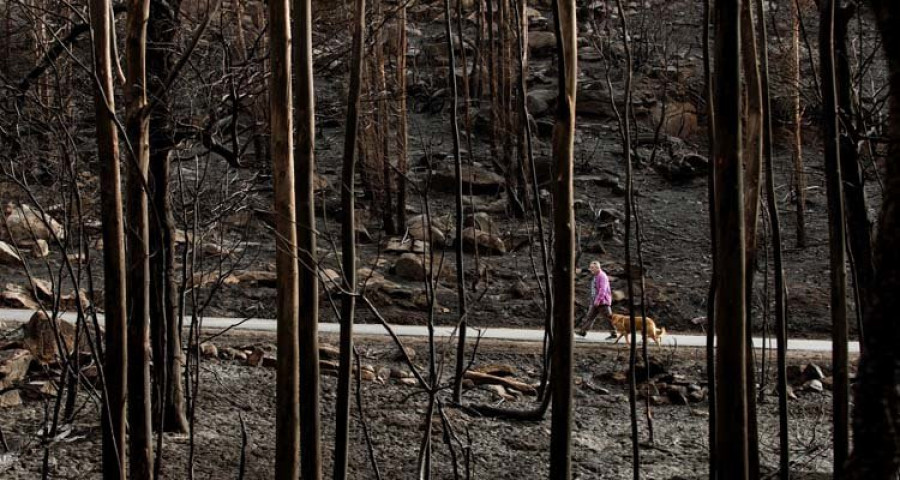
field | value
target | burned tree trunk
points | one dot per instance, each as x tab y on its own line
304	172
730	308
775	217
287	395
348	247
167	349
837	236
462	325
859	228
876	415
138	133
799	184
564	246
402	140
112	415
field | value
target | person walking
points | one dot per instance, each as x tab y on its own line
601	298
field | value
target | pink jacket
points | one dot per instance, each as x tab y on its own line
600	289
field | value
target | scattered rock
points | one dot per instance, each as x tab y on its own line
9	399
410	267
418	230
813	386
383	375
329	352
14	365
828	383
258	278
696	396
541	44
40	249
618	296
15	296
541	101
367	375
794	374
659	400
497	370
8	255
486	243
26	224
410	382
677	395
400	245
519	290
500	393
813	372
410	352
478	180
40	336
209	350
229	353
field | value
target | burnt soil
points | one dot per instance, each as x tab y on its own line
230	392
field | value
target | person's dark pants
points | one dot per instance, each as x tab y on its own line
592	315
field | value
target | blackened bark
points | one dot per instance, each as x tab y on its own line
876	415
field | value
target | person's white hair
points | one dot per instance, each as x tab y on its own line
595	262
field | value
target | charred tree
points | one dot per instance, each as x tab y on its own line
287	395
876	414
112	415
462	325
775	218
402	135
348	247
138	239
563	146
304	172
859	228
799	184
836	234
162	29
730	309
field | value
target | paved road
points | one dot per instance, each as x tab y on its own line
510	334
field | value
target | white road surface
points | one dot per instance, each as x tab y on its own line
509	334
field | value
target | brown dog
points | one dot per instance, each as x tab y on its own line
622	323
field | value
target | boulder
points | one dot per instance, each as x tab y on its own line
14	365
8	255
541	102
478	180
485	242
209	350
481	221
16	296
541	44
259	278
40	337
680	118
40	249
11	398
25	224
410	267
418	228
399	245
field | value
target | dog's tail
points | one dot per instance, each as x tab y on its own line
660	332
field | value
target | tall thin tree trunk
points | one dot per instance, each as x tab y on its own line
168	357
731	312
772	205
384	122
859	228
348	247
752	153
402	137
837	237
304	172
112	415
799	183
460	265
876	414
711	200
138	133
287	395
564	246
